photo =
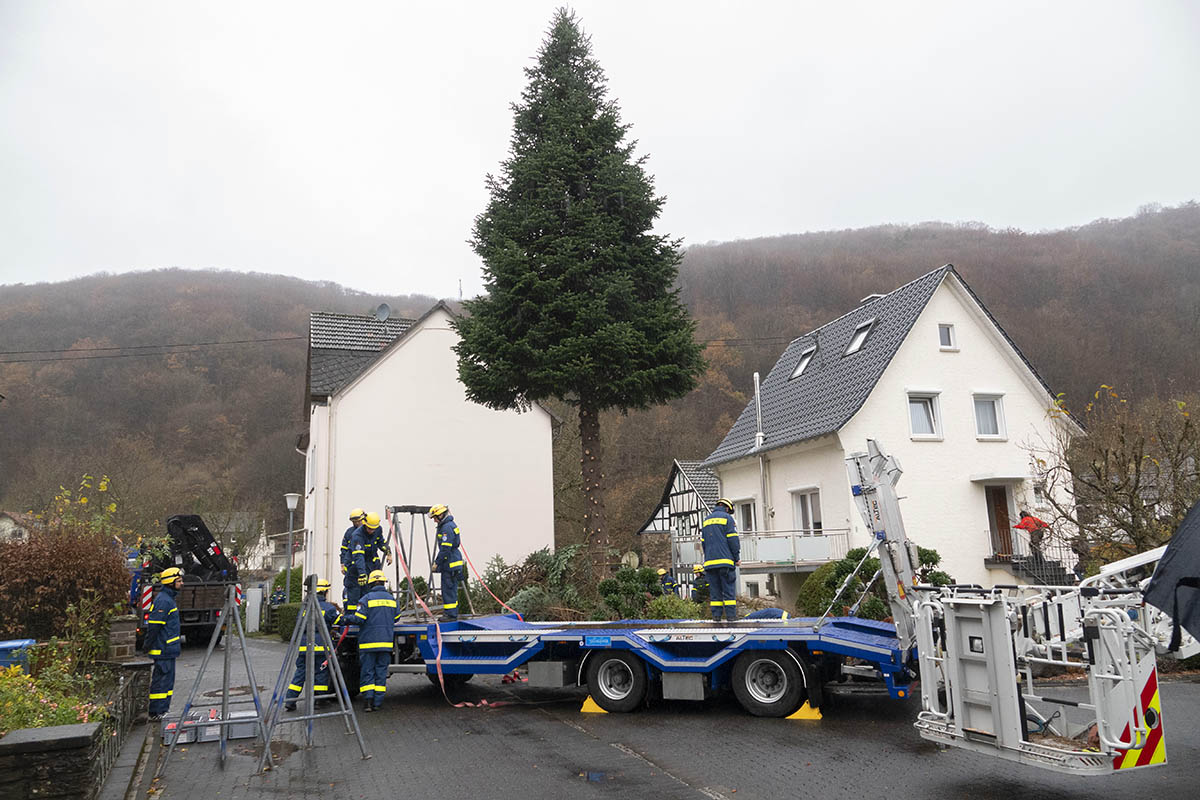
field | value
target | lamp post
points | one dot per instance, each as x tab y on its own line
293	500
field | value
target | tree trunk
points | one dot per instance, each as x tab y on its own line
590	463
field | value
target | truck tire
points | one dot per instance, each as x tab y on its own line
452	681
768	683
617	680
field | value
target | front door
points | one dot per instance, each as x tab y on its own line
998	519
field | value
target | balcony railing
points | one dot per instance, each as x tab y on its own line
778	548
1050	563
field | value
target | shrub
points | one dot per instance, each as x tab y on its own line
816	593
285	619
29	702
297	582
628	591
56	568
672	606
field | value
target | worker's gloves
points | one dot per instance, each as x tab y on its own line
343	569
362	580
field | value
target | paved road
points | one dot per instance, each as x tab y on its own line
543	747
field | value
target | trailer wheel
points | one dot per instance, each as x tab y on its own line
617	680
768	683
452	681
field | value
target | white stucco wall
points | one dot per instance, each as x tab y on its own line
943	507
404	433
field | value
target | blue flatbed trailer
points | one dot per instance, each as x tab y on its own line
772	665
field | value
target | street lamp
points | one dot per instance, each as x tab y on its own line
293	500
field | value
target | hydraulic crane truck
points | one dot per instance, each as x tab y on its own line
974	648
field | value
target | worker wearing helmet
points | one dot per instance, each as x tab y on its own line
722	554
375	541
376	615
350	590
699	584
667	583
363	556
321	658
448	559
162	641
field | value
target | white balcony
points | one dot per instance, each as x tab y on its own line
775	551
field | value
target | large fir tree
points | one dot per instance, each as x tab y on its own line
581	303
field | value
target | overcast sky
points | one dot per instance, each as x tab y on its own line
349	141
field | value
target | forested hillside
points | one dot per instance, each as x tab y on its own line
214	427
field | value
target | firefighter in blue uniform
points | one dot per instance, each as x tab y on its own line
350	590
162	641
699	584
667	583
448	560
376	615
722	554
320	657
375	543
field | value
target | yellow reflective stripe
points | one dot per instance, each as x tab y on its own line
173	610
728	535
450	605
456	563
175	639
719	562
320	687
373	687
713	521
159	695
356	551
731	602
158	622
716	602
318	649
156	652
447	544
381	602
374	645
295	688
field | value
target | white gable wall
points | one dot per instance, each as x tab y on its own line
943	508
404	433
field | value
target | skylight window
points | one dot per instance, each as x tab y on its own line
805	357
860	336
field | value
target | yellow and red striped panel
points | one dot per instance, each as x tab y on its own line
1155	749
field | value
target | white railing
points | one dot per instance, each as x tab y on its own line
782	547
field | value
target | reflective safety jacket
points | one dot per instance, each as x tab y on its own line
668	584
700	591
347	559
366	545
162	630
376	615
720	538
448	556
332	617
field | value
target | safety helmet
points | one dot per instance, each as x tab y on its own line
728	505
697	569
438	510
323	585
372	520
662	571
357	513
168	575
376	576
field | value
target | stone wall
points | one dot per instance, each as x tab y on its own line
57	762
655	549
122	637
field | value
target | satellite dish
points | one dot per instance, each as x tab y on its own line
631	560
383	312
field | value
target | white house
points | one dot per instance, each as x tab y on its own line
390	425
928	372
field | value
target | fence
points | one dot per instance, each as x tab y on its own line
127	701
1050	562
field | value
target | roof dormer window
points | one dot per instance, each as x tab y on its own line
805	357
860	335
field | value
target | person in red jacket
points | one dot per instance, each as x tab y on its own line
1036	529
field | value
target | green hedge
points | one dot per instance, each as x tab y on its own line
297	582
672	606
285	619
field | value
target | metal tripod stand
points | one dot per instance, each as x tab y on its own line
311	623
228	613
408	555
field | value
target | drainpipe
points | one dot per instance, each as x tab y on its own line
759	439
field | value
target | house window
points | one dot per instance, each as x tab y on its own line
946	338
1039	496
989	417
860	336
806	510
805	357
924	416
744	513
752	588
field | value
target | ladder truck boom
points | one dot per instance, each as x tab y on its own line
978	649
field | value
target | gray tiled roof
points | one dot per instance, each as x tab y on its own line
703	480
833	386
340	346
